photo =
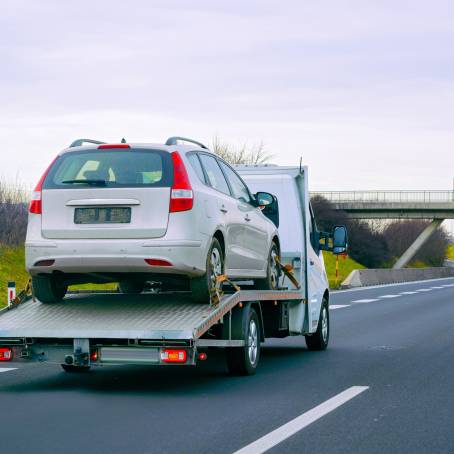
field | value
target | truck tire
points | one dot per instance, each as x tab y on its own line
130	286
201	286
271	282
245	326
70	368
319	340
48	289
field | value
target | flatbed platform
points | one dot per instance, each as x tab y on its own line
163	316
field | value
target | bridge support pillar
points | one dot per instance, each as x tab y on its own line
417	244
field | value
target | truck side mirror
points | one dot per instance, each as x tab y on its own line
269	205
339	239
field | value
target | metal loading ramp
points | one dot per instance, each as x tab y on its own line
111	316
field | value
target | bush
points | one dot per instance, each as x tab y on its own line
13	214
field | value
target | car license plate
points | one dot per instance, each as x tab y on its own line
102	215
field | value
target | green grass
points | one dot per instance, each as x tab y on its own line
346	266
450	252
12	268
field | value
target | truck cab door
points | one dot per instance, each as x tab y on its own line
317	280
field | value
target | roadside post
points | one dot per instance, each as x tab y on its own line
11	292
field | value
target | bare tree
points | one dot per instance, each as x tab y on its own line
240	155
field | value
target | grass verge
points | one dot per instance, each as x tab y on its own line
346	266
450	252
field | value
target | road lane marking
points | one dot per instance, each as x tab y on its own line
424	290
436	287
389	296
7	369
448	285
408	293
338	306
300	422
365	300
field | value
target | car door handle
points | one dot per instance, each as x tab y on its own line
247	218
223	209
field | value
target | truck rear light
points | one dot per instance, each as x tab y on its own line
94	356
35	206
181	195
6	354
109	146
174	356
157	262
44	262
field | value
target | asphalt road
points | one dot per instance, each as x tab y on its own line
396	341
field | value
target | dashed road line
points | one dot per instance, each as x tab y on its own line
300	422
338	306
424	290
7	369
370	300
436	287
389	296
408	293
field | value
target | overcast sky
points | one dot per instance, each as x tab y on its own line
362	90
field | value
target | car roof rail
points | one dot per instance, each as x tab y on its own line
174	140
79	142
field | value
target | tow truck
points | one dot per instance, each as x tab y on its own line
95	328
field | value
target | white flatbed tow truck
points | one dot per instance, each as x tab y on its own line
98	328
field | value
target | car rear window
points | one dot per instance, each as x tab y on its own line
111	168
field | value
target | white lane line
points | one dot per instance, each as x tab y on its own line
448	285
408	293
7	369
389	296
365	301
436	287
300	422
338	306
424	290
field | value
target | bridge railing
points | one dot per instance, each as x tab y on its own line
387	196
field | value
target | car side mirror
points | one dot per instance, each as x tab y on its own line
336	241
269	205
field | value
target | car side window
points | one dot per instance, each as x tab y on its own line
239	189
215	176
195	163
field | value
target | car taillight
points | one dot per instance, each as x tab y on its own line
35	206
6	354
174	356
181	195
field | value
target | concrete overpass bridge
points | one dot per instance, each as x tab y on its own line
435	206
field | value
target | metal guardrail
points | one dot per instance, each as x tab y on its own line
387	196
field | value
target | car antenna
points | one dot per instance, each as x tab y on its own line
123	140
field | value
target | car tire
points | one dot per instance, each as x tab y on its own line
201	286
319	340
48	289
245	326
131	286
271	282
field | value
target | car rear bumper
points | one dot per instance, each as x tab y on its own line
186	257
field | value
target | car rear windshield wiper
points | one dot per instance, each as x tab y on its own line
89	182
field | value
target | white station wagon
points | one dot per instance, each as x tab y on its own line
173	215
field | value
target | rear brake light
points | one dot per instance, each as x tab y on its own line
109	146
157	262
174	356
35	206
6	354
181	195
94	355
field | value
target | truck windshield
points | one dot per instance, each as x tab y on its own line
111	168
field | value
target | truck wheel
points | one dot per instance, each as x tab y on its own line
48	289
201	286
75	369
130	286
245	326
319	340
271	282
